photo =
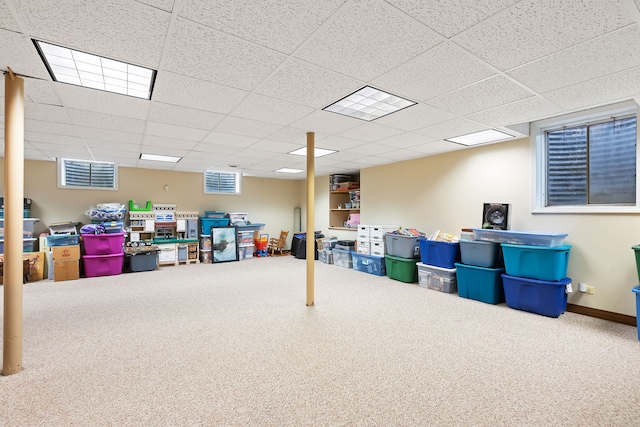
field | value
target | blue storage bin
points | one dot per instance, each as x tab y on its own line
480	283
63	240
548	298
207	223
636	290
214	214
440	254
368	264
536	262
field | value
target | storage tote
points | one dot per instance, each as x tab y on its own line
536	262
402	246
481	253
369	264
342	258
636	290
480	283
103	244
437	278
103	265
548	298
440	254
402	269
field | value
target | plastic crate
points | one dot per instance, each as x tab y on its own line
207	223
133	208
437	278
103	265
214	214
636	290
402	269
342	258
143	261
548	298
636	250
103	244
529	238
325	256
26	213
63	240
28	245
402	246
481	253
536	262
369	264
480	283
440	254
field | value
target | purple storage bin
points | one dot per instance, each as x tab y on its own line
103	244
103	265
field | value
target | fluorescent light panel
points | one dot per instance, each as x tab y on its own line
289	170
87	70
159	158
369	104
317	152
481	137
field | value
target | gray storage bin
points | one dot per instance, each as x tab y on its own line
402	246
481	253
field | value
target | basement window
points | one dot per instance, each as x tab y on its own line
222	182
85	174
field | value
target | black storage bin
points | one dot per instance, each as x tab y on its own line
299	245
142	261
295	243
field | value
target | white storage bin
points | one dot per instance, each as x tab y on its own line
377	232
363	233
363	247
376	248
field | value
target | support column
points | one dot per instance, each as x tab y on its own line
311	241
13	224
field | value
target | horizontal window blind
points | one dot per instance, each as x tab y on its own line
221	182
80	173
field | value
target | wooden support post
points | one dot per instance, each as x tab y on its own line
311	240
13	213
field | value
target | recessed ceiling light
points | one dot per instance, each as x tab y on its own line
317	152
83	69
490	135
369	104
289	170
159	158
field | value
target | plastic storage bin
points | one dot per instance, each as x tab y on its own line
342	258
143	261
481	253
369	264
636	249
103	244
536	262
207	223
103	265
437	278
440	254
402	246
531	238
402	269
325	256
28	245
63	240
214	214
548	298
480	283
636	290
26	213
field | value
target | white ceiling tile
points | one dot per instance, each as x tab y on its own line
164	151
185	91
256	154
415	117
218	149
274	146
291	135
532	29
307	84
7	20
45	112
529	109
271	110
450	18
480	96
370	132
405	140
107	155
240	126
281	25
118	29
150	164
339	157
596	58
160	4
383	40
116	147
51	138
109	135
437	147
157	141
41	92
177	132
106	121
47	149
335	143
214	56
230	139
326	122
442	69
49	127
12	51
82	98
451	128
182	116
397	155
611	88
370	149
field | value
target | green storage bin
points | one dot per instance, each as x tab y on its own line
636	249
402	269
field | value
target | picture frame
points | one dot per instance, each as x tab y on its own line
224	244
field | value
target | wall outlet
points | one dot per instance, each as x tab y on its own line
591	290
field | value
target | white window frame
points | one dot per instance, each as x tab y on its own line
62	176
539	167
238	189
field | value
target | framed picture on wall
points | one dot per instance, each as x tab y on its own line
224	244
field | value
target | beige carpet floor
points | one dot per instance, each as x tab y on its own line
234	344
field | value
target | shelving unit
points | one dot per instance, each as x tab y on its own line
338	199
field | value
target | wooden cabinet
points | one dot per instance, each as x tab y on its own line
339	212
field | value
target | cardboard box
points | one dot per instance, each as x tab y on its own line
65	253
66	270
33	266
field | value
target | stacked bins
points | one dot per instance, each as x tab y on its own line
437	270
400	258
342	253
103	254
362	258
535	278
205	248
479	275
325	254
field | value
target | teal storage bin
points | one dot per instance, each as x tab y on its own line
207	223
636	290
480	283
536	262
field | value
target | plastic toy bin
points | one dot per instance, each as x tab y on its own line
103	265
437	278
369	264
548	298
440	254
207	223
481	253
103	244
342	258
529	238
480	283
536	262
401	246
636	290
63	240
401	269
143	261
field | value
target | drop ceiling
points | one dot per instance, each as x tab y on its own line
240	83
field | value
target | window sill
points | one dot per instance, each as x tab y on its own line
587	210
